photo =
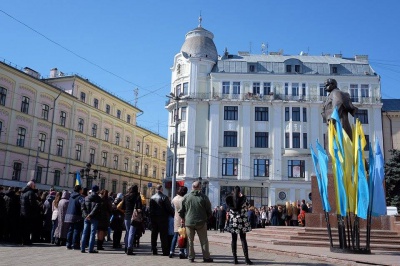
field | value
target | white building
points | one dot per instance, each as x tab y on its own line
249	120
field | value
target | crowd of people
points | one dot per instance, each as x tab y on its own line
83	219
290	214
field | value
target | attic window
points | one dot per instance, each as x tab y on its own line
334	70
297	68
288	68
252	68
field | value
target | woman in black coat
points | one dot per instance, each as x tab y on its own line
221	219
238	222
117	222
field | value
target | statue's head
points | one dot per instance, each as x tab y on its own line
330	85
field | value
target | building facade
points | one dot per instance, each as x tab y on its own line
390	125
52	128
248	120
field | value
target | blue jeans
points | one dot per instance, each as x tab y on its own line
129	234
90	225
173	244
54	224
74	234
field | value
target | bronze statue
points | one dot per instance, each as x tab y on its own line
343	102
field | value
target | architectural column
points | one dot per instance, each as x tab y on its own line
245	142
191	158
213	140
277	133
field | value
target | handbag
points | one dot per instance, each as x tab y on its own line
137	216
182	239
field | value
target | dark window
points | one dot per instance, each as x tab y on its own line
288	68
297	68
256	87
163	155
128	119
154	172
38	174
146	170
334	70
60	147
261	139
155	153
354	92
185	88
322	91
305	141
261	167
286	88
295	113
225	87
81	123
3	95
287	114
267	88
104	158
119	114
63	118
25	104
230	138
252	68
106	134
45	111
296	140
287	141
92	155
94	130
147	151
127	142
124	186
136	170
304	114
183	114
181	166
230	113
362	115
296	168
42	141
230	166
116	158
96	103
295	89
114	186
137	146
78	152
102	183
236	87
303	89
261	114
117	138
17	168
57	176
83	97
182	140
178	90
21	137
108	108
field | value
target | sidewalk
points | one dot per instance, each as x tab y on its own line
261	253
259	242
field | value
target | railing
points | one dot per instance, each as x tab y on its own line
216	96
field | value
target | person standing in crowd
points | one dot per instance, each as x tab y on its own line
215	218
263	216
117	221
221	219
130	202
238	222
74	217
252	217
91	211
2	214
289	213
303	211
30	212
54	216
160	210
104	219
195	211
12	216
62	227
47	214
177	204
295	213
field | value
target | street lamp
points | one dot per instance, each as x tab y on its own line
175	98
85	173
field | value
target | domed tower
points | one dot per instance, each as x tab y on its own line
190	85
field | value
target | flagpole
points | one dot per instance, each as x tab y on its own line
328	225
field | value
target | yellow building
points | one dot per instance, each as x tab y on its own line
390	125
53	128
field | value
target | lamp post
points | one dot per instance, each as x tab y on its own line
85	173
176	117
141	162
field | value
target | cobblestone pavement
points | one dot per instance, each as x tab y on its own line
46	254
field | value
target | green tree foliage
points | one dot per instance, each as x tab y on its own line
392	175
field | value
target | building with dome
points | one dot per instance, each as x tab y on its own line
249	119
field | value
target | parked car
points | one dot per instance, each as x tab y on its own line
391	210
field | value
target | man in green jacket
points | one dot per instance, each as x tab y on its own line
195	211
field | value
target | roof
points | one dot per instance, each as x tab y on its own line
390	105
199	43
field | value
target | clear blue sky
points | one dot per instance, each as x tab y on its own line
123	45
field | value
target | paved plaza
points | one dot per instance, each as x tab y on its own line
46	254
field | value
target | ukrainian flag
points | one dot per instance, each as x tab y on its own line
78	180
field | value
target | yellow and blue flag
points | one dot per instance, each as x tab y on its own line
78	180
378	195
